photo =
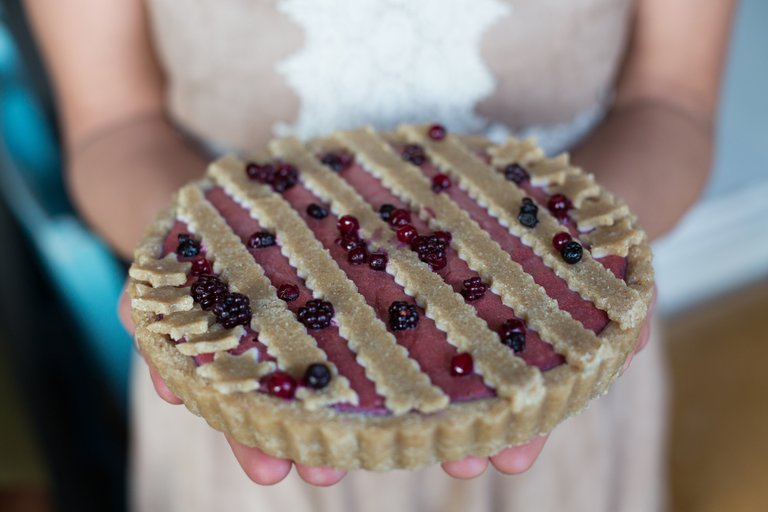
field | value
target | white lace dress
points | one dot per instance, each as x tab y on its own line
241	71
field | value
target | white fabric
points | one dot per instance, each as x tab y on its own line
393	60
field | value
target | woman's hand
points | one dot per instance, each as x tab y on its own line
266	470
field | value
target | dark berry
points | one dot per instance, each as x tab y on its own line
263	173
431	250
286	177
337	161
279	384
281	175
528	220
201	266
403	316
462	364
473	289
233	309
385	210
316	314
441	182
414	153
288	292
378	261
406	233
350	241
316	211
558	203
516	173
347	225
572	252
261	239
208	290
444	236
436	132
528	206
188	247
358	256
399	217
512	334
560	239
317	376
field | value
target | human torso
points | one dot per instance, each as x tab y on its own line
241	71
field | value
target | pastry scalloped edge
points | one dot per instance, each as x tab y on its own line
397	377
325	438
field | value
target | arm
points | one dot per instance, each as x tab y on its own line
124	159
654	147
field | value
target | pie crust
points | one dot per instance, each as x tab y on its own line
423	426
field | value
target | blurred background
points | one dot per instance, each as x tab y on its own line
64	357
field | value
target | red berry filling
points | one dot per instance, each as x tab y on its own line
358	255
337	161
437	132
201	266
288	292
560	239
406	233
348	225
462	364
279	384
441	182
473	289
399	217
414	153
279	175
431	250
378	261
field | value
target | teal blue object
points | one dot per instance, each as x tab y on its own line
80	268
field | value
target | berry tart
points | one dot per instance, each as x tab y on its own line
390	300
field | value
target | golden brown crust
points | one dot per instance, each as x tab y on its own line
321	436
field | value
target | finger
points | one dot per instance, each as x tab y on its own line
260	467
518	459
162	388
321	477
469	467
124	311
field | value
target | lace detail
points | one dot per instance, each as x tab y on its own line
382	63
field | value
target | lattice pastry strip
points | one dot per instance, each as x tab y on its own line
163	300
603	210
167	271
215	339
515	151
615	239
285	338
511	377
486	186
397	377
577	188
229	373
183	323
